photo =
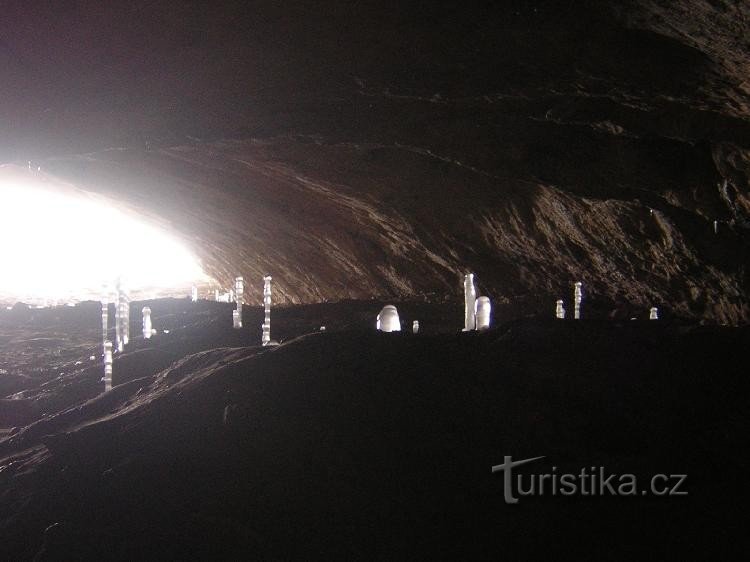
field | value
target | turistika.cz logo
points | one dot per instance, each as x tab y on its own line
590	481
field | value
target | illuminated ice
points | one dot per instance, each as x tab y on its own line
239	292
653	313
415	327
107	366
482	313
224	297
266	338
560	310
105	319
577	295
388	320
470	297
147	328
122	317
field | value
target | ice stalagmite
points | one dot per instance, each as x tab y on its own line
653	313
415	327
107	366
266	339
105	316
560	310
147	329
470	297
122	317
577	295
388	320
483	310
194	294
239	291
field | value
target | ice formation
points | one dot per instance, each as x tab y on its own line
147	328
470	297
415	327
388	320
224	297
107	366
266	339
122	317
483	308
653	313
194	294
239	292
105	319
560	310
577	296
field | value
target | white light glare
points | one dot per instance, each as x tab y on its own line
56	245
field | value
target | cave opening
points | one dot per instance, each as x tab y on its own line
60	244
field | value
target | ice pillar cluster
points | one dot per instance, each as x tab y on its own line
483	309
107	366
122	317
147	329
560	310
577	295
470	297
653	313
388	320
266	339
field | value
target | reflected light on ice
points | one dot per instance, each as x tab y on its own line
65	245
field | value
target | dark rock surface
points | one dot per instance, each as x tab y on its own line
356	444
359	150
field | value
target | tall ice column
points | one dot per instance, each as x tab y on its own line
470	297
239	292
122	327
107	366
147	329
577	295
105	317
267	306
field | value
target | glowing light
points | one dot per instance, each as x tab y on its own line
57	243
